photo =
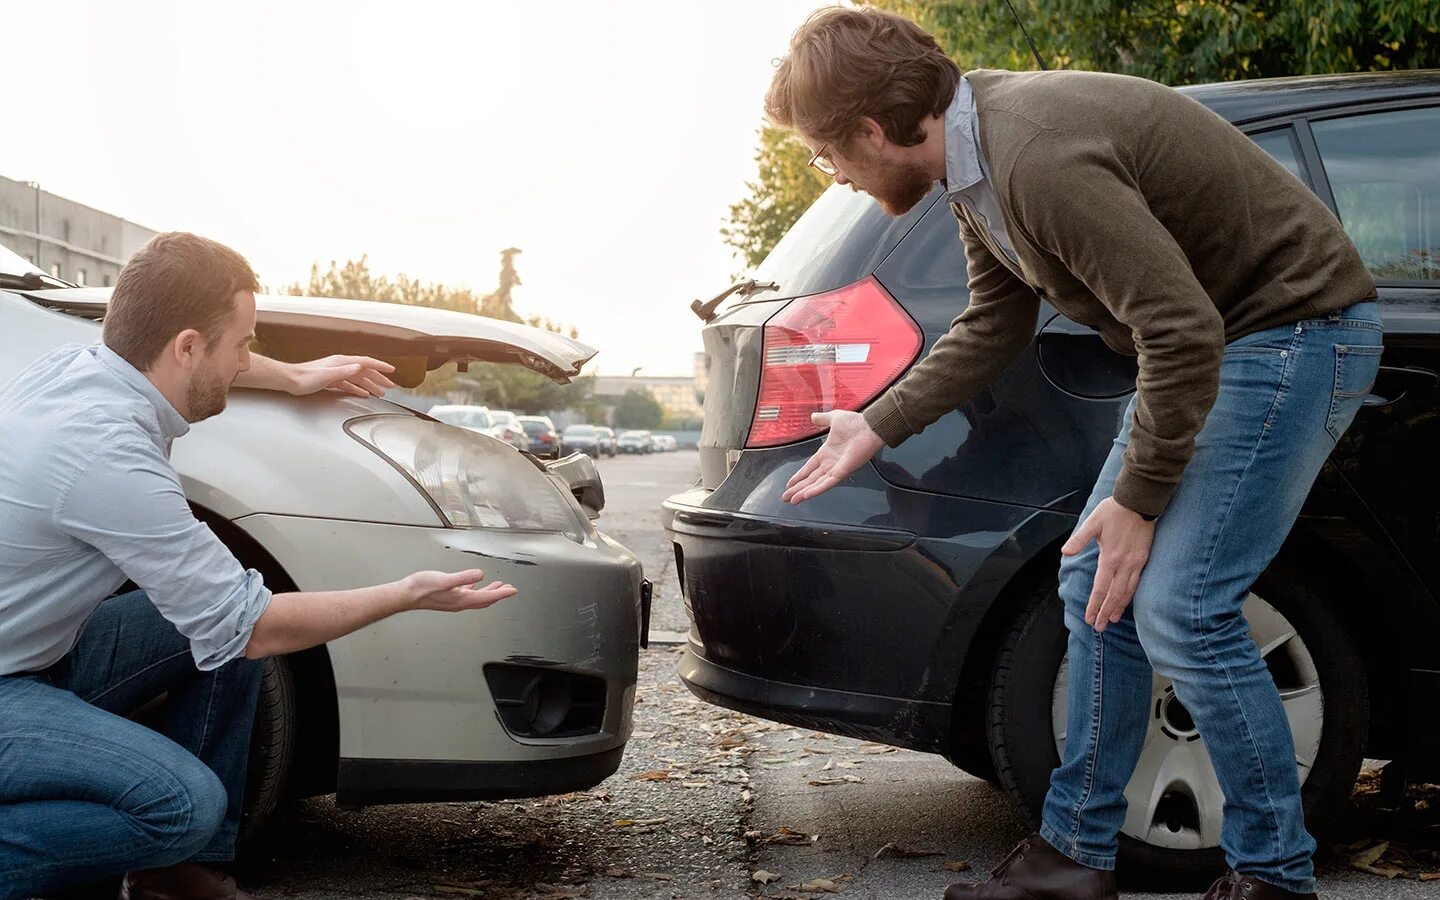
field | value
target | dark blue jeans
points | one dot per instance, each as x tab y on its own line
86	793
1286	396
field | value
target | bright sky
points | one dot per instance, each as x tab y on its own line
606	139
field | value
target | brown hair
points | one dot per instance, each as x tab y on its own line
176	281
848	63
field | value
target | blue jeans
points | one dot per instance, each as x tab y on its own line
1286	395
86	793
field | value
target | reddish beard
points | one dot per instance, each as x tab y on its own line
902	190
897	188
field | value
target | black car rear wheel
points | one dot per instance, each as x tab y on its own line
1171	835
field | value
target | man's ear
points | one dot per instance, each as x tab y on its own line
869	135
185	347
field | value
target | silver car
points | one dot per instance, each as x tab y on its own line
335	492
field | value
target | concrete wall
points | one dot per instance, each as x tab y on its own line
73	241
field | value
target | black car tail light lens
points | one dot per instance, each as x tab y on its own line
836	350
540	702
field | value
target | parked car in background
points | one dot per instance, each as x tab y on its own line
544	440
581	439
635	442
507	428
665	443
915	604
474	418
606	440
333	492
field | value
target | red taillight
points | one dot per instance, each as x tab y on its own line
831	351
547	438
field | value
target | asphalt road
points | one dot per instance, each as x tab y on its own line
707	798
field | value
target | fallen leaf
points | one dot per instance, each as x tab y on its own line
459	889
817	886
562	891
956	867
626	823
763	876
658	775
695	784
1371	856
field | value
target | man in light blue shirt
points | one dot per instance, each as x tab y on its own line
89	501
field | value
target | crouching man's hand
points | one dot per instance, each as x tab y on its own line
296	621
452	592
357	375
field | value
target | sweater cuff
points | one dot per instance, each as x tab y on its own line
885	419
1140	494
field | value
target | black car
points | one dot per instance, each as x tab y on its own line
581	439
916	603
540	433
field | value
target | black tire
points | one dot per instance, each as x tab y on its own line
272	748
1022	741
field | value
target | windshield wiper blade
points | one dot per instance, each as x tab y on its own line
706	310
32	281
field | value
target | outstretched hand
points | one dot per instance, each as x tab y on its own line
455	591
849	445
357	375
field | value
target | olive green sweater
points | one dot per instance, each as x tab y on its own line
1140	213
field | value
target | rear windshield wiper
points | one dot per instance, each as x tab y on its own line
706	310
32	281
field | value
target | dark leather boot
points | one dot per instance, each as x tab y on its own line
1037	871
1235	886
186	881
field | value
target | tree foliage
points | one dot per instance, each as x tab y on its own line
784	188
1186	41
638	409
1171	41
491	384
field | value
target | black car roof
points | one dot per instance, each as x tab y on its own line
1261	98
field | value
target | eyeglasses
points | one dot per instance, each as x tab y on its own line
821	163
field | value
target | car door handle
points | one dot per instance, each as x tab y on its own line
1394	382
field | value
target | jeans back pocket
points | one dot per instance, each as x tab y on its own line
1355	369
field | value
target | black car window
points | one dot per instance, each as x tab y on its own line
1384	169
840	239
1280	143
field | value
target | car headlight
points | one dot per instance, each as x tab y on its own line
475	481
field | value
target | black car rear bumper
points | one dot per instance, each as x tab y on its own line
854	628
888	720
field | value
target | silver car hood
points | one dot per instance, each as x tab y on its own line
415	339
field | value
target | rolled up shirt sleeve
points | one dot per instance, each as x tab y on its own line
129	505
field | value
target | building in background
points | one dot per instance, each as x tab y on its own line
675	394
67	239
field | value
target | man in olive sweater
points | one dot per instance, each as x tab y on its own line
1136	211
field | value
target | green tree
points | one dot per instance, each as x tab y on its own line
1187	41
638	409
1171	41
785	188
492	384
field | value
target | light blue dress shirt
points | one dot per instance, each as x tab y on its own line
967	176
88	499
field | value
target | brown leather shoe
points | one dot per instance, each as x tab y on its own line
186	881
1037	871
1234	886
